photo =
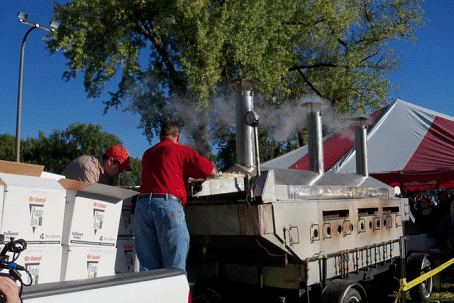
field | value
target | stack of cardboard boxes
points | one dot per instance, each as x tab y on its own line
32	209
70	227
126	252
91	220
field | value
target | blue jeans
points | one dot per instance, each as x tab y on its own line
161	234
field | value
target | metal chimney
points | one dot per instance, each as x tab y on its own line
361	147
245	148
315	141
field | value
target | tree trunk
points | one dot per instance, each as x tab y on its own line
200	133
263	137
301	137
277	150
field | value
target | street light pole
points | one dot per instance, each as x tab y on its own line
23	18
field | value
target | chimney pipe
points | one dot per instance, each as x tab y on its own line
361	147
245	148
315	141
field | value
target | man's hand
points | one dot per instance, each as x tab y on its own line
213	172
9	288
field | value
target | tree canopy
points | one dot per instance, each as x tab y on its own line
181	54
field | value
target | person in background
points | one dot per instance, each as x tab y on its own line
103	168
444	202
426	216
435	223
413	200
9	289
443	231
160	230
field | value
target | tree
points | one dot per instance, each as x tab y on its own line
176	54
7	147
132	178
225	140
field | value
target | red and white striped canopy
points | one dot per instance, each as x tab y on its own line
407	145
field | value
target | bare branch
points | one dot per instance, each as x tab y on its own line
310	84
160	47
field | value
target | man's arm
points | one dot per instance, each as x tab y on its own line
198	167
85	170
89	175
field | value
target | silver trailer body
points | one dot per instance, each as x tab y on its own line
293	229
301	228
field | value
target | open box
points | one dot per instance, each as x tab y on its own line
31	207
92	213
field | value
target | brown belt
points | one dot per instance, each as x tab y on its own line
164	196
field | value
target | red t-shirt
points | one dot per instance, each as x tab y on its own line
167	166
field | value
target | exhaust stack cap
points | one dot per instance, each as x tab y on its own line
312	105
361	120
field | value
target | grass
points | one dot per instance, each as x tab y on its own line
381	291
445	295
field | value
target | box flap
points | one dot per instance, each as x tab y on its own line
17	168
53	176
97	188
23	181
69	184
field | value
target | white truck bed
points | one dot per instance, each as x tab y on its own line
161	285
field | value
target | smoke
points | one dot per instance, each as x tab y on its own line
151	100
281	121
220	115
284	120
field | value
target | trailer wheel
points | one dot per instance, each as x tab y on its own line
417	265
343	291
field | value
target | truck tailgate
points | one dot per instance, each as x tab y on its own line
161	285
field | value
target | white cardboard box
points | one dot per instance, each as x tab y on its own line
86	262
43	262
126	256
92	213
32	208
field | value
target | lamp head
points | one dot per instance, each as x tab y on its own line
22	16
54	25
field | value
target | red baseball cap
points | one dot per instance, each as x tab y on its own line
120	154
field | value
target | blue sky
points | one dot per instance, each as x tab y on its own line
48	102
425	76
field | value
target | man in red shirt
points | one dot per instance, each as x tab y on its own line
160	230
